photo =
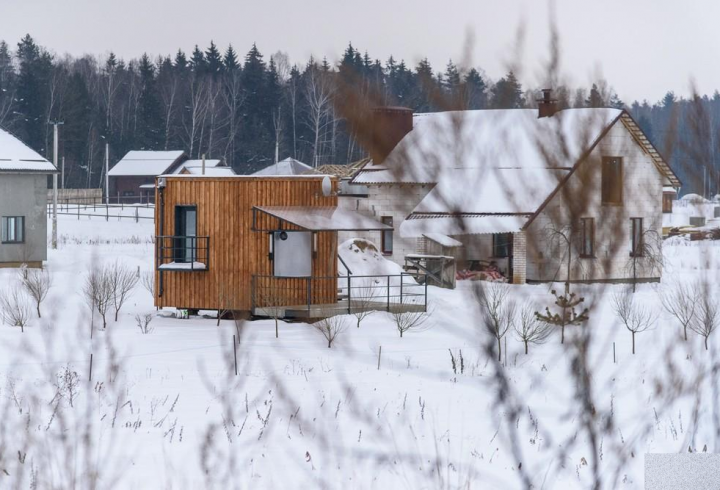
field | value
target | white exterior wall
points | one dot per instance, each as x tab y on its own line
642	198
393	200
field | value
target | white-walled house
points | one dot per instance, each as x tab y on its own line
509	184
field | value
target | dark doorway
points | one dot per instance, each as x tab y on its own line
186	233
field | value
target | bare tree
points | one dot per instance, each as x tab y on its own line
148	282
143	323
647	257
122	280
36	283
15	308
706	319
330	327
361	299
497	311
98	292
318	94
635	318
681	302
529	329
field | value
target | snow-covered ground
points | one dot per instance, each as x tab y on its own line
166	410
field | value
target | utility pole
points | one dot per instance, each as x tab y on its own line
203	164
107	168
62	175
55	183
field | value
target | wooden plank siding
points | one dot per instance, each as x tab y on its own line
224	213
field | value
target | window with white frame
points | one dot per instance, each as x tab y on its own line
13	229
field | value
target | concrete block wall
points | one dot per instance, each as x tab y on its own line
395	200
25	195
642	198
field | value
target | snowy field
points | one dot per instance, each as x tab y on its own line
166	410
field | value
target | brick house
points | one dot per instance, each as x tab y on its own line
509	184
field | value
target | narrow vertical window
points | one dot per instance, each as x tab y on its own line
667	203
587	232
612	182
13	229
501	245
387	236
636	237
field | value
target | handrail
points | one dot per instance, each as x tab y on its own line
175	255
346	266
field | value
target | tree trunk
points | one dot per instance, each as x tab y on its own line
706	346
329	343
686	333
401	332
358	322
499	350
526	347
277	333
116	313
562	334
633	337
38	310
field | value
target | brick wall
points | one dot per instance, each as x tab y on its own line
397	201
642	198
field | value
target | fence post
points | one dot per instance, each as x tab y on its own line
401	289
78	208
107	213
252	294
349	296
379	356
388	294
136	215
309	294
235	354
425	294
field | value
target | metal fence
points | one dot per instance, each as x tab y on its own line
182	253
327	296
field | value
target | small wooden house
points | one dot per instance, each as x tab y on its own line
259	244
132	177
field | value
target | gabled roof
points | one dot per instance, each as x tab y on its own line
146	163
191	165
289	166
504	163
17	157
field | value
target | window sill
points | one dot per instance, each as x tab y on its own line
386	254
588	257
12	243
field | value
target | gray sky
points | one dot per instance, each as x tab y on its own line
643	47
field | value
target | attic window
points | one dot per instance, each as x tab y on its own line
612	182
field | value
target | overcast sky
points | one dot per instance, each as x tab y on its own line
643	47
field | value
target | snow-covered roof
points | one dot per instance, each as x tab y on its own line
218	171
419	226
145	163
16	156
443	240
289	166
323	218
502	162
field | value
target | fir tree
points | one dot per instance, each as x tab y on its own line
230	60
507	93
181	62
197	61
595	99
213	59
475	90
150	121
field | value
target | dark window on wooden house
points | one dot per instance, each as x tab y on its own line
387	236
501	245
636	237
13	229
587	234
667	202
185	248
612	181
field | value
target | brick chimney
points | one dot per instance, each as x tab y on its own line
547	106
390	125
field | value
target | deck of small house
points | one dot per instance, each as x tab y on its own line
279	297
